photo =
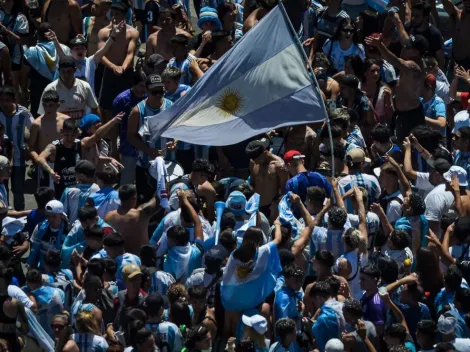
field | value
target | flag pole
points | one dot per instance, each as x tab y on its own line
313	79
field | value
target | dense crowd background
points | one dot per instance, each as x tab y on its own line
351	235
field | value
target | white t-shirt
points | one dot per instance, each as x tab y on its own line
18	294
438	202
338	55
423	184
73	102
394	207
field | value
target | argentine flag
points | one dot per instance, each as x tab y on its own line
260	84
246	285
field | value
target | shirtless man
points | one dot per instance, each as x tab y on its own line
46	128
251	18
118	62
65	17
96	22
159	42
130	221
410	112
305	140
268	176
460	20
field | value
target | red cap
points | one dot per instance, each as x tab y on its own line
292	154
430	80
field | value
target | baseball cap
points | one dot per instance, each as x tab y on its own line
255	148
446	324
89	120
154	81
11	226
357	155
67	61
113	239
55	207
440	165
4	162
461	119
430	81
334	345
236	202
78	41
155	60
459	172
84	167
293	154
257	322
130	270
419	43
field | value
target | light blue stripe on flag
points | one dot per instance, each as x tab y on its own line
260	84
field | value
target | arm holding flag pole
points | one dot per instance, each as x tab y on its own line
315	85
198	232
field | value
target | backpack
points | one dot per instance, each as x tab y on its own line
120	321
106	304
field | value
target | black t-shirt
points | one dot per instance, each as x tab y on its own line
196	40
152	12
433	36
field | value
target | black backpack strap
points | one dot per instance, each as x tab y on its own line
357	268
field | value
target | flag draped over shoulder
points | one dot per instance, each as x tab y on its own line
246	285
260	84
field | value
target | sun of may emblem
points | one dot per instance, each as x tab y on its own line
230	102
242	271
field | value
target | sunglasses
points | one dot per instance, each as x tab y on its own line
156	92
57	326
347	30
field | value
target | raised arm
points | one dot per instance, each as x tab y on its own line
405	185
299	245
184	202
88	142
362	220
395	311
386	226
52	37
338	198
402	34
115	30
451	9
387	55
150	208
407	164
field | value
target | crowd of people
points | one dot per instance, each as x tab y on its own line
352	234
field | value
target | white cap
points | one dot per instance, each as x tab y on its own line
55	207
461	119
446	324
4	162
459	172
257	322
334	345
11	226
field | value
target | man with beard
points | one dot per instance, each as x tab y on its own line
409	110
460	20
419	24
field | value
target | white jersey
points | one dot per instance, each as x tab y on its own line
73	102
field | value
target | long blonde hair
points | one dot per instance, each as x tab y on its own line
86	322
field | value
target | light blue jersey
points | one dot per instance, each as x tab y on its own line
88	342
146	111
50	301
167	335
184	67
74	198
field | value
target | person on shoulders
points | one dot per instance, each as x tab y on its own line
173	88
